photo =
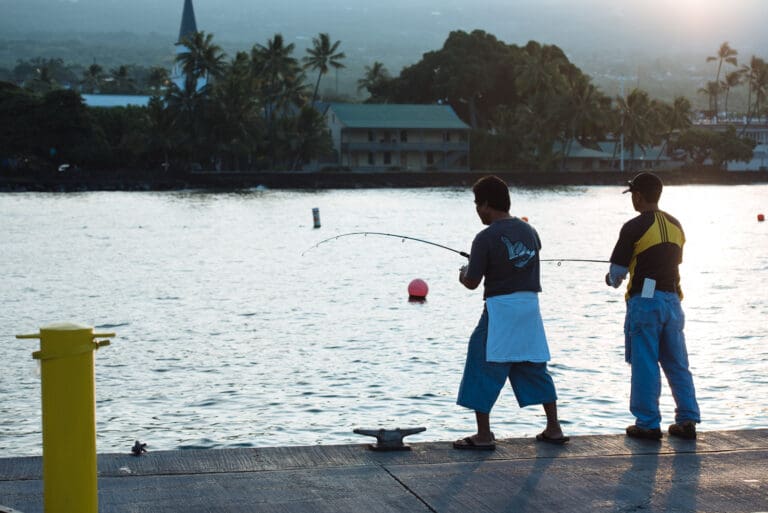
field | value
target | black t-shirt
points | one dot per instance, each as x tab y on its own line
651	246
506	253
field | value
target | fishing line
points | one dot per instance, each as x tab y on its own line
462	253
561	260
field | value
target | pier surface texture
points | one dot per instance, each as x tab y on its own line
723	471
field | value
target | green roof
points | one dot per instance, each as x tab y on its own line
387	115
579	152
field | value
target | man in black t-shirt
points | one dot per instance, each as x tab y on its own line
650	249
509	342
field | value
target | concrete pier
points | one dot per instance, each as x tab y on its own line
723	471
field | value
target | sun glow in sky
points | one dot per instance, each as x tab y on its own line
690	8
696	13
610	28
701	15
685	23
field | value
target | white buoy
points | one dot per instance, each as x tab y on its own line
316	217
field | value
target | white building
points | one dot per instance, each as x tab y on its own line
380	137
758	132
759	161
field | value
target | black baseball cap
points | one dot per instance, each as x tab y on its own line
645	183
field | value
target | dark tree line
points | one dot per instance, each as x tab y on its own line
42	75
527	105
254	111
753	76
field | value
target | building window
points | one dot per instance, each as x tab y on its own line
387	157
403	136
370	158
430	158
370	135
446	136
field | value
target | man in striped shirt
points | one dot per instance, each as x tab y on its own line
650	249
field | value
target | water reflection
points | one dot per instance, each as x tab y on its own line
228	336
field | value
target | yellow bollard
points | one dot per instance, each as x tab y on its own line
69	416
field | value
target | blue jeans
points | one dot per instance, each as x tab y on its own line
653	331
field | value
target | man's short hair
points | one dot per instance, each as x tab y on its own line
648	185
492	190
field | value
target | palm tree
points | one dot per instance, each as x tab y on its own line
321	57
590	112
92	77
185	105
293	93
539	72
638	120
732	79
122	81
761	88
756	78
189	104
542	84
158	78
280	81
309	138
161	134
234	116
676	118
55	71
43	81
586	110
201	58
275	59
373	78
711	91
727	54
274	67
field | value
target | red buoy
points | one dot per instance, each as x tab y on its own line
417	289
760	217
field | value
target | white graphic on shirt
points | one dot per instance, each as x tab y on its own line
519	254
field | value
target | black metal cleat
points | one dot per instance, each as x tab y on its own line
389	439
138	448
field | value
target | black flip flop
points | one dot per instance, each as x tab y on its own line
469	444
541	437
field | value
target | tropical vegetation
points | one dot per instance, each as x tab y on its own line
253	111
528	108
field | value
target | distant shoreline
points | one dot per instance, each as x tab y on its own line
75	181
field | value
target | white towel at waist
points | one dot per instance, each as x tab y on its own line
515	329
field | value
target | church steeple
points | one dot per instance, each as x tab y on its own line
188	28
188	23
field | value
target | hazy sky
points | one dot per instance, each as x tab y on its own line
600	26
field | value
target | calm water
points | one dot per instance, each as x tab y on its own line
228	336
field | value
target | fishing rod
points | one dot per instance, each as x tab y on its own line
462	253
393	235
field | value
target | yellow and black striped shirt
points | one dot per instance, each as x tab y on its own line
651	246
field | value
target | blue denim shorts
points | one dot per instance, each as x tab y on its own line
482	381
